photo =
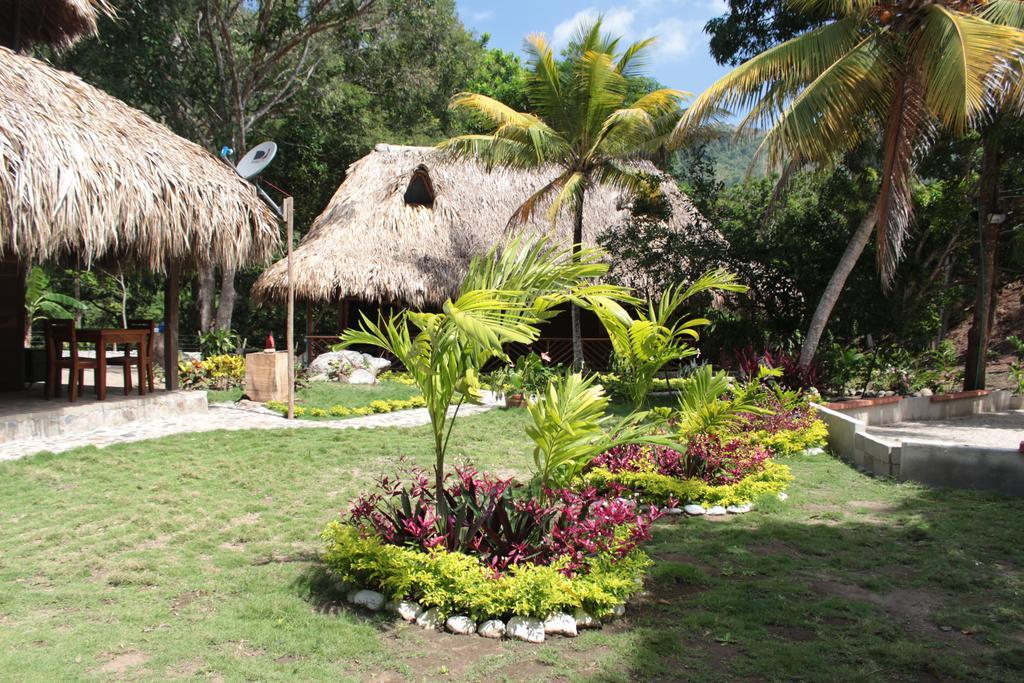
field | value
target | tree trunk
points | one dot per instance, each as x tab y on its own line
830	296
206	295
577	245
988	263
226	306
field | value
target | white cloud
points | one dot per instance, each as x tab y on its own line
482	15
677	36
617	21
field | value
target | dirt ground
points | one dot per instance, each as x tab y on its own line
1009	321
996	430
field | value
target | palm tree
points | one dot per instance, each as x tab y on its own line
42	303
581	123
894	72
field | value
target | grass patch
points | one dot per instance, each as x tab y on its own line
197	555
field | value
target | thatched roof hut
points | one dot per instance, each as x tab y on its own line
406	221
58	23
83	174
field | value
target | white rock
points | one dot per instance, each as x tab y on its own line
586	620
716	511
407	609
362	377
927	392
738	509
783	496
429	619
525	628
560	624
695	510
673	511
463	626
375	365
492	628
371	600
618	611
815	450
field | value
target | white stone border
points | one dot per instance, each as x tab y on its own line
528	629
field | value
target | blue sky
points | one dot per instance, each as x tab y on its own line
679	59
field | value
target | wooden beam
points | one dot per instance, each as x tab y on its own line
289	220
309	331
171	304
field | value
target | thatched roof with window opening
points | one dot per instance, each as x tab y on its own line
83	174
407	220
57	23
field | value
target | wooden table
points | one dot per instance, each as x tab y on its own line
115	335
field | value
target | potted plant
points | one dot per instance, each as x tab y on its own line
526	377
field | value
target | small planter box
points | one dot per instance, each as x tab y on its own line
266	376
515	401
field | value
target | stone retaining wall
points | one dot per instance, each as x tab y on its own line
57	418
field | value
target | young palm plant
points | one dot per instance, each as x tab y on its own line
894	71
503	299
643	346
581	124
42	303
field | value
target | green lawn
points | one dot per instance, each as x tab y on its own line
196	555
329	394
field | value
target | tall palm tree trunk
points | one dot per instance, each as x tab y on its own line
577	245
988	264
830	296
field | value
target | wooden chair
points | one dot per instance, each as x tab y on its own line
59	333
146	375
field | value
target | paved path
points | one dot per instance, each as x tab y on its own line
995	430
227	416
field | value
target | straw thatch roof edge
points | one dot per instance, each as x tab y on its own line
370	244
57	23
83	174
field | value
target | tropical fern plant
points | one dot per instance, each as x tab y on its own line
42	303
710	401
503	299
874	70
570	427
642	347
581	123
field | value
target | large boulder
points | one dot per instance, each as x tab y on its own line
343	365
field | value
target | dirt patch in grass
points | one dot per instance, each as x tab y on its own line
124	662
184	600
913	607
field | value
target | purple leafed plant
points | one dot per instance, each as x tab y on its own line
706	458
496	521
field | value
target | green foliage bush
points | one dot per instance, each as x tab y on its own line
657	489
216	372
379	406
456	583
788	441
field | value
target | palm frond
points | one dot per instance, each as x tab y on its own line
962	57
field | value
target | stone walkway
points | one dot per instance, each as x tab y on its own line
228	416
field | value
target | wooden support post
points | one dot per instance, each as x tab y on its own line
171	304
309	331
289	220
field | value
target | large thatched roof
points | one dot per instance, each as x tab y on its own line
371	244
82	173
58	23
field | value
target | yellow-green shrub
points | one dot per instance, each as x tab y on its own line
456	583
789	441
655	488
379	406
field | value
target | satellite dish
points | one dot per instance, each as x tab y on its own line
257	159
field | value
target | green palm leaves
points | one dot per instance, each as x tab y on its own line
503	299
42	303
643	346
876	67
581	120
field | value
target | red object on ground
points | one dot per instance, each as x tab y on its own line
269	344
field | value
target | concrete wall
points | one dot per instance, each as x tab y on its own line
916	408
937	464
963	467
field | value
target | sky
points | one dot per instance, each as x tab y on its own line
679	59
